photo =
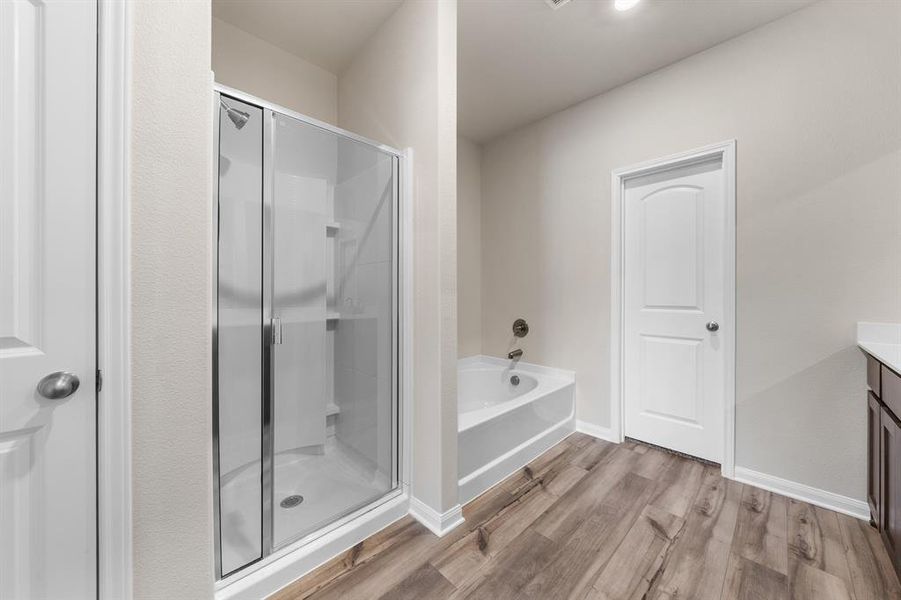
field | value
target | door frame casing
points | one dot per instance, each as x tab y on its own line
114	518
726	152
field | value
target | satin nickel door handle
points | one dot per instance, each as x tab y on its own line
59	385
713	326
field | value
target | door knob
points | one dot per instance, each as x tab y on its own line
713	326
57	386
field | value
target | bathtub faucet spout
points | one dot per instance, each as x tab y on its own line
515	354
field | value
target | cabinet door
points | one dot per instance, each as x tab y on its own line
874	411
874	378
890	484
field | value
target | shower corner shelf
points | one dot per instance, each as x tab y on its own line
332	316
333	225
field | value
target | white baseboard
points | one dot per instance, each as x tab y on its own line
602	433
805	493
438	523
792	489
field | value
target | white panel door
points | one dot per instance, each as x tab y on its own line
674	370
47	299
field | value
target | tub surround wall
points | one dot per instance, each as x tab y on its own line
250	64
812	101
401	89
469	248
170	175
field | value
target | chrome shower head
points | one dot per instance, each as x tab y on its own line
238	117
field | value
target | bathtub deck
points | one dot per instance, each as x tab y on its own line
590	519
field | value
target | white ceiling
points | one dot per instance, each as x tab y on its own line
324	32
520	60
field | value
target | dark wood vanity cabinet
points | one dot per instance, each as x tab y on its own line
890	485
884	455
874	474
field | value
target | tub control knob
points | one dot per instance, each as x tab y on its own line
520	328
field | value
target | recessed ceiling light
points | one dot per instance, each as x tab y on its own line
624	4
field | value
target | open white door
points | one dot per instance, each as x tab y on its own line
47	299
674	250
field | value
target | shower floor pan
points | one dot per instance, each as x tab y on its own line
329	485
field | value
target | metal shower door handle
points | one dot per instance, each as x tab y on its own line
713	326
276	331
57	386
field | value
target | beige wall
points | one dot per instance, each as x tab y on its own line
170	309
401	90
469	248
813	102
250	64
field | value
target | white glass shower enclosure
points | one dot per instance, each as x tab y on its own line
306	336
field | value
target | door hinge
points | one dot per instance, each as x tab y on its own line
99	380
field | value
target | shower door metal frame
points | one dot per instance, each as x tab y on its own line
401	335
214	323
268	336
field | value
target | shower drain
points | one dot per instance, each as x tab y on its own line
291	501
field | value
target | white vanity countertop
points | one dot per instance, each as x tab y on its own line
882	341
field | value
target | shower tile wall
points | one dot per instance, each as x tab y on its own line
340	228
303	205
364	280
240	294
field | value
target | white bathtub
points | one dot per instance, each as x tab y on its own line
504	426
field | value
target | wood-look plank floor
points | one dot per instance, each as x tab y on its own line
594	520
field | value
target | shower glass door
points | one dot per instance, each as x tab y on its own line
306	332
238	339
332	241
